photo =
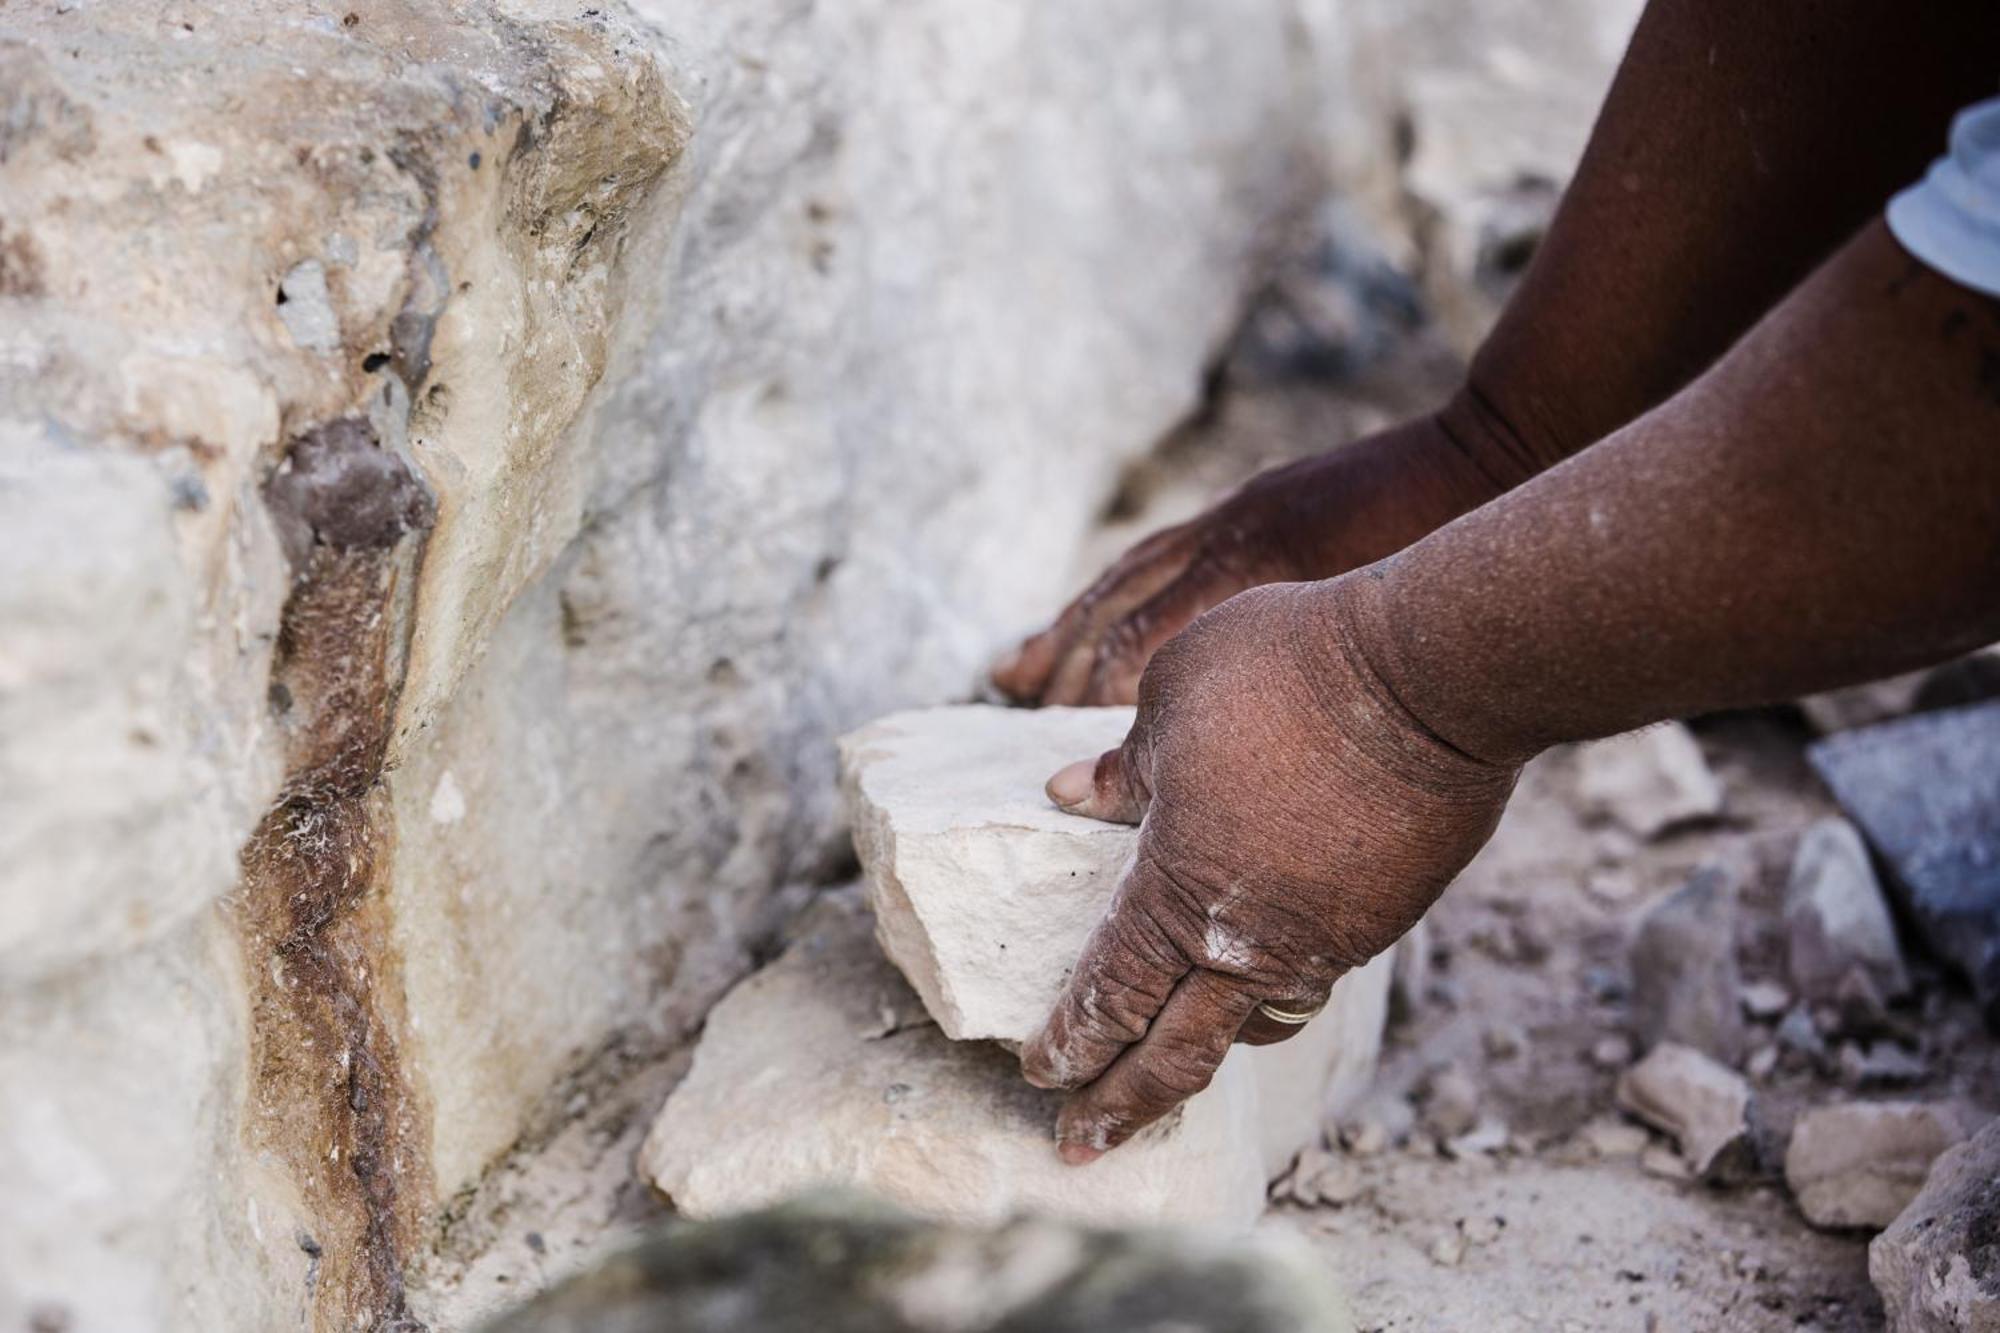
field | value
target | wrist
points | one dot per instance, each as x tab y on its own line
1383	677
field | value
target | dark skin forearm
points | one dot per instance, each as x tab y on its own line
1820	508
1738	146
1314	762
1740	143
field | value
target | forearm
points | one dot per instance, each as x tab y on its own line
1738	146
1823	506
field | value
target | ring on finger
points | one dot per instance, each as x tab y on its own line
1290	1017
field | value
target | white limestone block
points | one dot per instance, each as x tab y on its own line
822	1070
984	893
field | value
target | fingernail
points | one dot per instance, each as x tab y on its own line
1071	787
1077	1154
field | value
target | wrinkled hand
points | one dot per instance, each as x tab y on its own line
1294	822
1311	519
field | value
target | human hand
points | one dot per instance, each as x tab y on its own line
1311	519
1294	822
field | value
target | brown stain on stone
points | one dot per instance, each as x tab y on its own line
330	1095
20	265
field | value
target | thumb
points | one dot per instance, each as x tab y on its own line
1108	787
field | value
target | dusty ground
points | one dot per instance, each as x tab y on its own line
1528	949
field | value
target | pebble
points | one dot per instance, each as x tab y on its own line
1659	1160
1615	1138
1880	1065
1765	1001
1488	1136
1447	1250
1481	1230
1611	1052
1450	1102
1613	886
1763	1062
1504	1041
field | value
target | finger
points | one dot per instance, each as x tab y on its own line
1175	1060
1124	648
1024	674
1070	675
1260	1029
1108	787
1127	970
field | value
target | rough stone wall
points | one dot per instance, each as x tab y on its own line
459	468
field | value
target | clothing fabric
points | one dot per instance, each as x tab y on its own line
1950	219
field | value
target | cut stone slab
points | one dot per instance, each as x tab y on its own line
1937	1267
983	891
821	1070
1648	781
1926	792
1704	1105
1836	921
1860	1164
1685	982
835	1263
984	894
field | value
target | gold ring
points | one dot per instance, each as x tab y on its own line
1290	1018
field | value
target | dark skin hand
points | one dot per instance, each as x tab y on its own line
1739	145
1313	763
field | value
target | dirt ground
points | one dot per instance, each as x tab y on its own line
1528	980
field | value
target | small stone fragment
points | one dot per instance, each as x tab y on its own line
1481	1230
1763	1062
1448	1250
1704	1105
1765	1001
1613	1052
1613	886
1860	1164
1488	1136
1449	1102
1648	781
1880	1064
1609	1137
1937	1266
1503	1041
1835	918
1685	982
1799	1036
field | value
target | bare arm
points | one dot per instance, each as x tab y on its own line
1739	144
1313	763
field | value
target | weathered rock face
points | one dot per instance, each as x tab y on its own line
458	470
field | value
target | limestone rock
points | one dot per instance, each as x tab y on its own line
796	1084
1685	981
1937	1266
984	893
1648	781
837	1264
1861	1163
1705	1106
1836	921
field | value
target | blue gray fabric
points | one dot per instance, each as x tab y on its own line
1951	218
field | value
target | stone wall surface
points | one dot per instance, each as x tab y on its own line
460	466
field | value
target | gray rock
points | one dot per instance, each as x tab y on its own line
1704	1105
1926	791
843	1264
1836	921
1685	982
1860	1164
1937	1266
